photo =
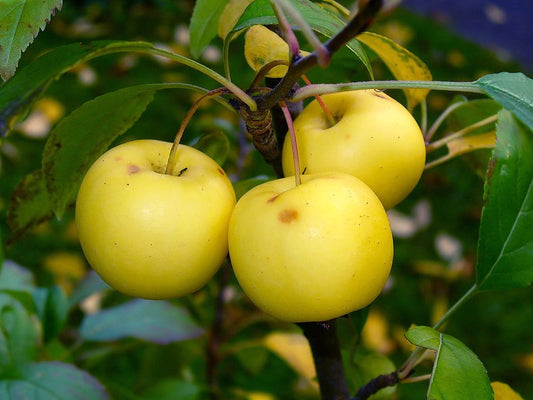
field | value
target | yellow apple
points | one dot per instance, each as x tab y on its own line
149	234
374	138
311	252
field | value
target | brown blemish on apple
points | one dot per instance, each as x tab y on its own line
221	171
273	198
380	95
288	215
133	169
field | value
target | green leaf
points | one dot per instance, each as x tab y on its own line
52	381
505	247
19	334
204	24
155	321
52	308
80	138
172	389
30	205
92	283
514	91
216	145
20	22
322	20
457	372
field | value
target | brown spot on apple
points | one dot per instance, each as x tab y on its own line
273	198
220	171
288	215
133	169
381	95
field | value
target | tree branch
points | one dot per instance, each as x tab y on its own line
322	337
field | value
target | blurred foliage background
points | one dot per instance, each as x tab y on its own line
435	228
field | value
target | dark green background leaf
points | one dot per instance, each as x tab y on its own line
154	321
320	19
20	334
52	381
52	307
512	90
216	145
20	22
505	247
204	24
457	372
173	389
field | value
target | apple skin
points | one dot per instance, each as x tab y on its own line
152	235
376	139
311	252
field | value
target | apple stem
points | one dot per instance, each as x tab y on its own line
172	158
325	108
264	71
294	144
438	122
286	30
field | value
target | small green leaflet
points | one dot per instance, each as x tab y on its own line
505	247
216	145
457	372
20	22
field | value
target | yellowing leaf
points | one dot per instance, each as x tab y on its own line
375	333
403	64
67	268
231	14
470	143
259	396
502	391
262	46
295	350
50	107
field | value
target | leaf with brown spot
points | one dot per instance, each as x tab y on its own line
29	206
